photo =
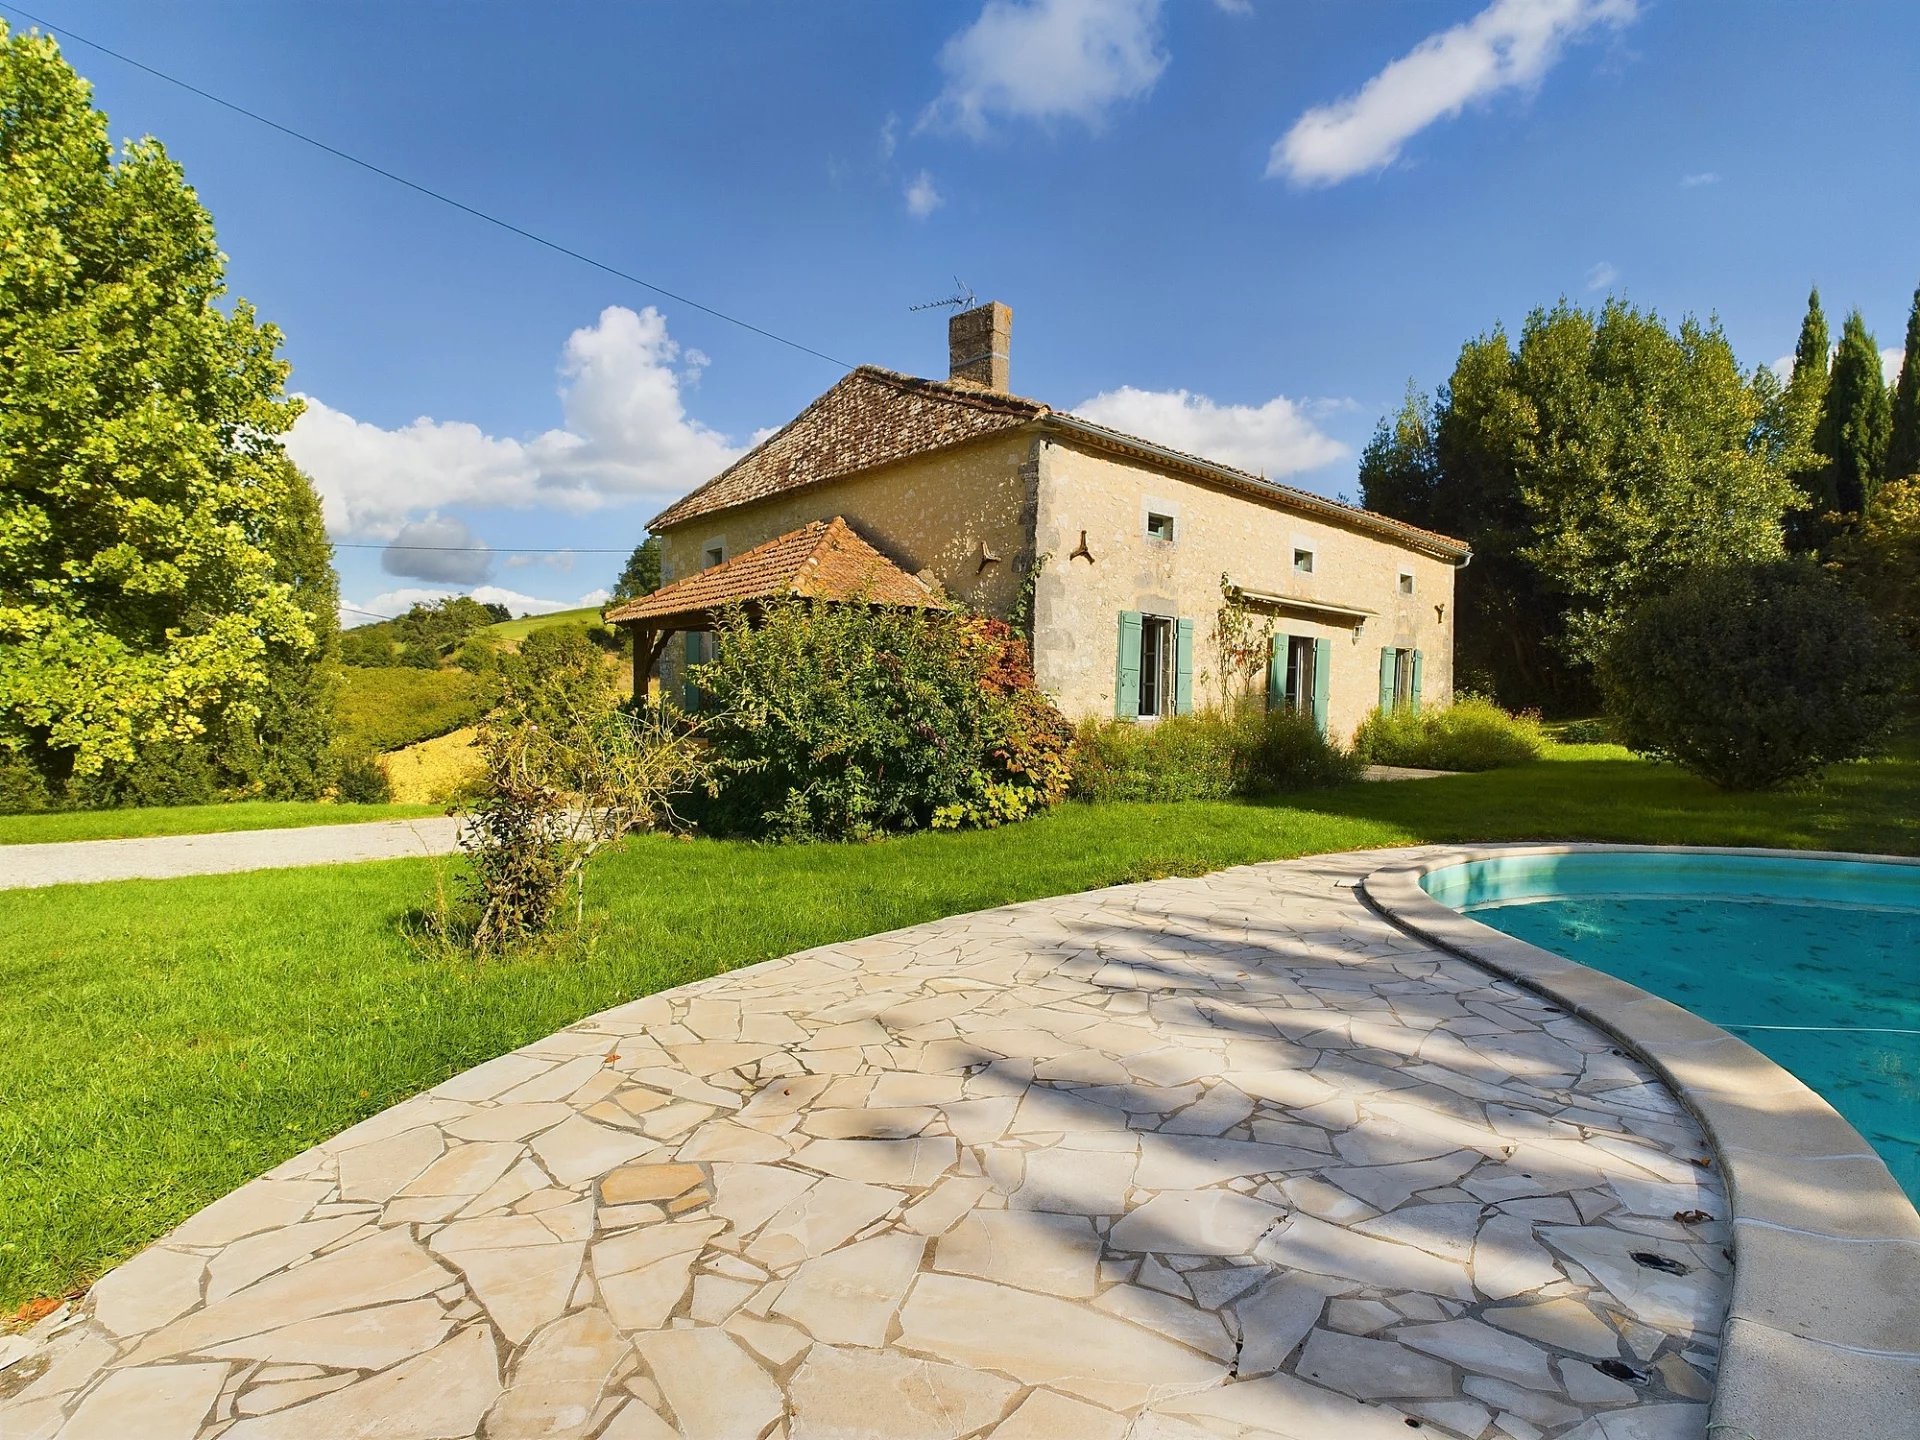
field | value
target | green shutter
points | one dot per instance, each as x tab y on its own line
1416	682
1183	668
1277	671
1387	657
1126	677
689	692
1322	679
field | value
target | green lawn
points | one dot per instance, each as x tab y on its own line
164	1041
193	820
526	625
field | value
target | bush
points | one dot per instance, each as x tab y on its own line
385	708
1752	677
1584	732
836	722
1470	734
567	775
361	781
1209	755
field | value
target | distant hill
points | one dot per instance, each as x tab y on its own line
527	624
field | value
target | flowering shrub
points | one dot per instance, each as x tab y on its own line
841	722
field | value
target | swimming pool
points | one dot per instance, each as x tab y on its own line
1814	962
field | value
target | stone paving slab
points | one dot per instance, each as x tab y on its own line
1228	1157
166	857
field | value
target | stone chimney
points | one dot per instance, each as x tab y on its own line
977	344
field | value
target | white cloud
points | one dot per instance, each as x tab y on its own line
626	436
889	135
1508	46
1048	60
1602	275
1234	7
1273	439
437	548
396	602
1694	182
922	198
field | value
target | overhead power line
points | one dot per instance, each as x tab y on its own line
488	549
419	189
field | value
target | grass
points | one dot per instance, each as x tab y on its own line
434	771
193	820
164	1041
527	624
385	707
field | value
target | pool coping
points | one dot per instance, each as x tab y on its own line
1823	1324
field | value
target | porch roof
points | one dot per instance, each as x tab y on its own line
824	560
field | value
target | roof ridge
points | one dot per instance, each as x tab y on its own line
963	394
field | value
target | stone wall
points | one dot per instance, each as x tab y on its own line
1014	496
1077	601
942	513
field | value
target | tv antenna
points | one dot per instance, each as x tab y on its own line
961	299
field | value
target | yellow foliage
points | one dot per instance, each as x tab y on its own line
435	771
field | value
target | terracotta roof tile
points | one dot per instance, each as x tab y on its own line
826	560
873	417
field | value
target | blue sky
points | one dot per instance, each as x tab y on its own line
1236	225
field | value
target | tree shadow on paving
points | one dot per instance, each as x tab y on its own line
1241	1002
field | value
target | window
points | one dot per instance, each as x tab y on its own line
1399	679
1301	661
1160	527
1153	666
713	556
1157	665
1302	561
1406	582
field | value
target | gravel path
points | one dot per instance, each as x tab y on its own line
1211	1159
163	857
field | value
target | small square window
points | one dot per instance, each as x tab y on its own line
1160	527
1303	562
713	556
1406	582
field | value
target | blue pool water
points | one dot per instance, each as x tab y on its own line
1814	962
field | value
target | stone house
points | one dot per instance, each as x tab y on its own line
1115	549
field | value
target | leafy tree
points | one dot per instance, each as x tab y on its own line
642	575
1753	676
428	633
1854	421
368	645
1903	443
1399	472
293	737
139	459
1589	465
1799	415
1880	558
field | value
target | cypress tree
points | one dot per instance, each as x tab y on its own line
1854	420
1800	411
1903	447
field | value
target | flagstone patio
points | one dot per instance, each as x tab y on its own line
1198	1158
